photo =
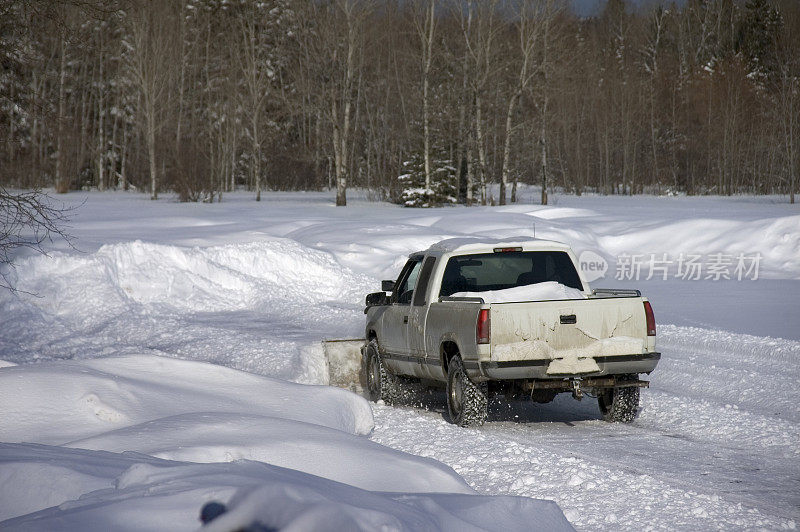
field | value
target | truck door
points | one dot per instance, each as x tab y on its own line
419	310
395	319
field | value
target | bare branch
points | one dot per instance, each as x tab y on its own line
28	220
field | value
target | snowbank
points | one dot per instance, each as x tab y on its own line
547	291
220	278
59	402
194	412
311	506
223	437
201	412
252	306
130	491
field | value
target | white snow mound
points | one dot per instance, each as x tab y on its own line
189	411
134	492
220	278
64	401
223	437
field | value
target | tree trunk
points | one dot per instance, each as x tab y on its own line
151	151
181	82
507	154
344	134
653	126
256	163
427	53
481	149
341	169
543	140
123	177
470	175
341	193
61	186
463	126
101	140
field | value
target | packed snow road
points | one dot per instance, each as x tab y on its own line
256	287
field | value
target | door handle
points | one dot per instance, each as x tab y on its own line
405	319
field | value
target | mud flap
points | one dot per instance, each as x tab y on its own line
343	361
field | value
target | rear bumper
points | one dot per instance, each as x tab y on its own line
537	369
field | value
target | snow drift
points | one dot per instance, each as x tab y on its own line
199	412
131	491
252	306
69	400
190	411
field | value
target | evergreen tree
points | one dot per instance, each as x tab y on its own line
757	35
443	179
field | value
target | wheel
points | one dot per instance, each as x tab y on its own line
380	384
467	402
619	405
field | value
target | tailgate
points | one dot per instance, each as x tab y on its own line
569	332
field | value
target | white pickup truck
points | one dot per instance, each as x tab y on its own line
516	318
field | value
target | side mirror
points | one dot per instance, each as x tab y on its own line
387	286
377	299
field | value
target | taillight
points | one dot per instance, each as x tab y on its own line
483	326
651	319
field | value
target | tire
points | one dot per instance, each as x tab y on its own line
619	405
379	383
467	402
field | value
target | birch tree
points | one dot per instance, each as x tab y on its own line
149	63
257	55
425	32
480	28
334	42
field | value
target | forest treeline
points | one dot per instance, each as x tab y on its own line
420	101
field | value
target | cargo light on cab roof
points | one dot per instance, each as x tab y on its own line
507	250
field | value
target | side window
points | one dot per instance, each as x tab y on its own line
422	283
407	281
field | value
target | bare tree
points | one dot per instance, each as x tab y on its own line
531	19
425	32
787	91
60	181
149	63
256	55
651	53
549	49
480	28
333	42
28	220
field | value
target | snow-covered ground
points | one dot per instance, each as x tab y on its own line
255	287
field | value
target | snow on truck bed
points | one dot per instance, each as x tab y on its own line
546	291
255	287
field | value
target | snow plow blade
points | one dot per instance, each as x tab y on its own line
343	360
